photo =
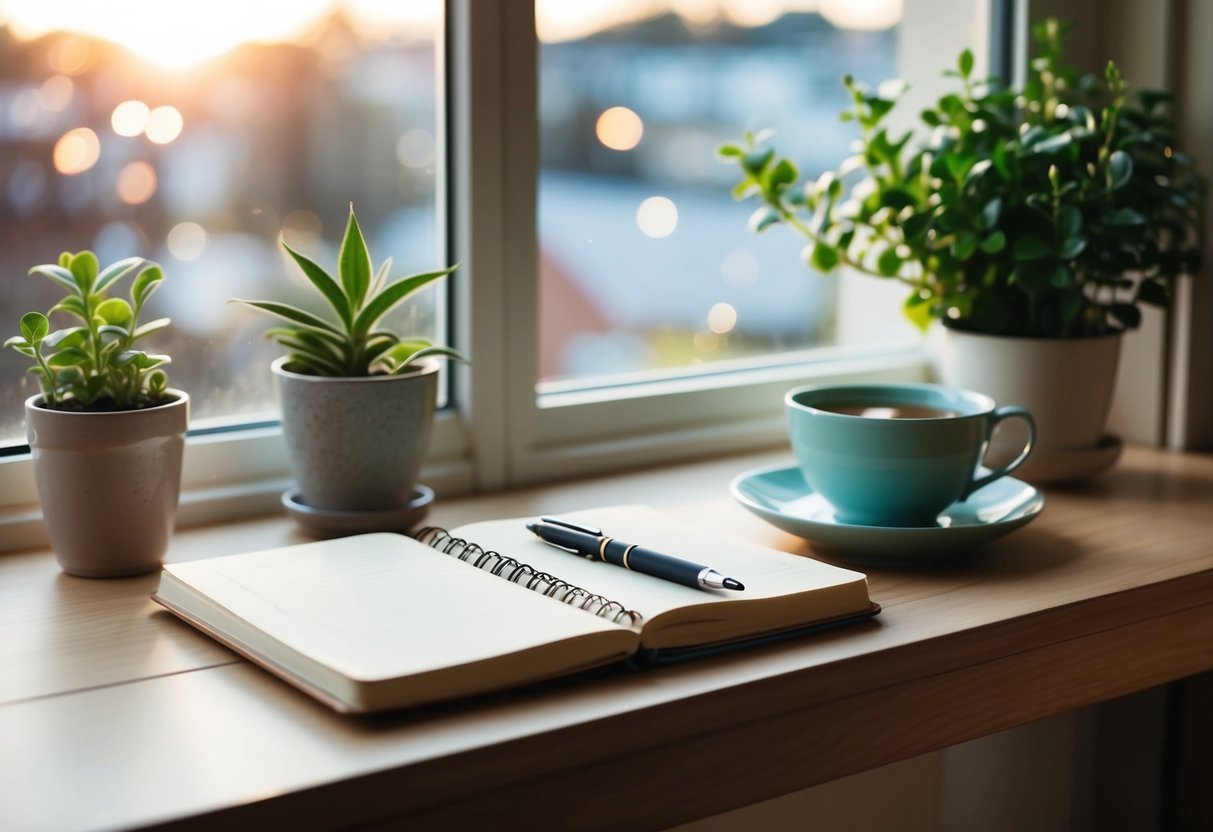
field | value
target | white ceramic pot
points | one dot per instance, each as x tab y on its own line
108	484
1065	383
357	444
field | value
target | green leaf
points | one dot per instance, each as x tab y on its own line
889	263
990	212
148	281
964	245
19	344
291	313
150	327
756	161
1071	247
1052	144
34	327
72	336
918	309
824	257
729	152
993	243
1120	169
745	189
896	198
783	173
764	218
404	353
1124	216
59	274
392	296
73	305
354	263
115	271
965	64
1069	221
84	267
1030	247
157	383
115	312
1061	277
68	358
324	283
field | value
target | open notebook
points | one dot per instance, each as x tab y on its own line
381	621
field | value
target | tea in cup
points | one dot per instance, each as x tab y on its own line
896	454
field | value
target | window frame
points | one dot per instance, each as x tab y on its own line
523	436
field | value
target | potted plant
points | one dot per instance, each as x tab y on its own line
106	432
357	400
1032	223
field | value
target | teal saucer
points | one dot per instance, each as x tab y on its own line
779	495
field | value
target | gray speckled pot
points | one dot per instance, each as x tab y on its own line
108	484
357	444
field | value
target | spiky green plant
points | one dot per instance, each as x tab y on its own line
350	344
94	364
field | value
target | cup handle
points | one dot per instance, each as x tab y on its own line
1005	412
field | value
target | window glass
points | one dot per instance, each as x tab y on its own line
645	259
199	139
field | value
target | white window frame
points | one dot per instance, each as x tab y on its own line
521	437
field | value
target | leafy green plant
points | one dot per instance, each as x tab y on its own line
351	345
1052	211
94	364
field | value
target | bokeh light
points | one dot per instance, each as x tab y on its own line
76	151
56	93
136	183
415	148
619	128
722	318
187	240
657	217
164	124
130	118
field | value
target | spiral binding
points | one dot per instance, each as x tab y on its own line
527	576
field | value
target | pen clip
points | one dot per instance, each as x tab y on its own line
556	521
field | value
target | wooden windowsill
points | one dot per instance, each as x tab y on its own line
142	720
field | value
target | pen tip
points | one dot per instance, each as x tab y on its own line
729	583
532	526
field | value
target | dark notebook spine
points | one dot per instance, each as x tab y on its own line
527	576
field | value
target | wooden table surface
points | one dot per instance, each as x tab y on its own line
113	714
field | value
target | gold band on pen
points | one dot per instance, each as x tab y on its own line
627	552
602	544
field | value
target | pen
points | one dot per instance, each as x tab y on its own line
592	543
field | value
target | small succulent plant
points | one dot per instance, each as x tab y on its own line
94	363
350	344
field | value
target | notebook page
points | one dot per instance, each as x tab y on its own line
381	606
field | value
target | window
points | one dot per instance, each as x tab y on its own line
645	261
177	134
356	113
616	397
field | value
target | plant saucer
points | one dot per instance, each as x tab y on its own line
1060	465
321	522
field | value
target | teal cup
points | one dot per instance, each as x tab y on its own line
896	454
